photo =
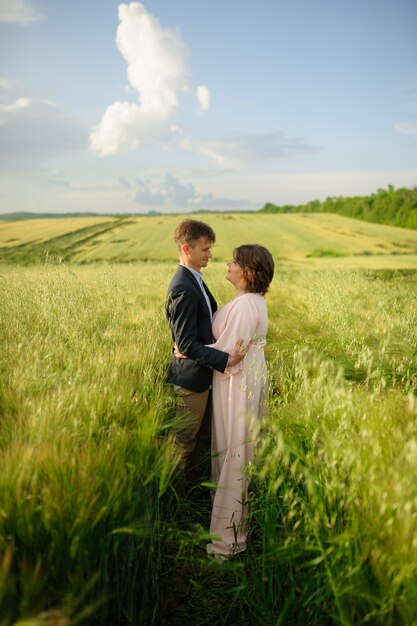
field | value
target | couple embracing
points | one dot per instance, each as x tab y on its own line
219	373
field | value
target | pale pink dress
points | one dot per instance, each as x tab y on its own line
239	401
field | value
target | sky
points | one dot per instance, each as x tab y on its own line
184	105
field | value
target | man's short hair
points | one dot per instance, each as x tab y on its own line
189	231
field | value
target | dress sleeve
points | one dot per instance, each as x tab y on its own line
241	323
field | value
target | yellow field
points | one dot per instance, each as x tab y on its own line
301	240
38	230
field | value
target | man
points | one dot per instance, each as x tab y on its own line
189	308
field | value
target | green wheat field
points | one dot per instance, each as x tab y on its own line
92	529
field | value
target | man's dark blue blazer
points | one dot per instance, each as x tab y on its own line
190	322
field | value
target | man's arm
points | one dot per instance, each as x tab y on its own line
236	356
182	311
238	353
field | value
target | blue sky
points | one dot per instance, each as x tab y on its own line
183	105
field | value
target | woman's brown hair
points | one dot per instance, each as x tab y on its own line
257	265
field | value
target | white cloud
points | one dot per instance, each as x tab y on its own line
54	178
407	128
241	148
170	192
19	11
176	192
145	195
31	129
21	103
157	69
203	97
298	188
6	84
125	184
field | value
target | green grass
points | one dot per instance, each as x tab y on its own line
301	240
92	530
324	253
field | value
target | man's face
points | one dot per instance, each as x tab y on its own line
197	255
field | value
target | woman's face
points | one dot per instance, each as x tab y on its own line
235	274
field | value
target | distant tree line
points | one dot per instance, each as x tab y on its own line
397	207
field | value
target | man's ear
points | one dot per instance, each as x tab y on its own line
185	248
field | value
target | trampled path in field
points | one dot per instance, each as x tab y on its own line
299	240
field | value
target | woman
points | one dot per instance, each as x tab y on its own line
239	395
